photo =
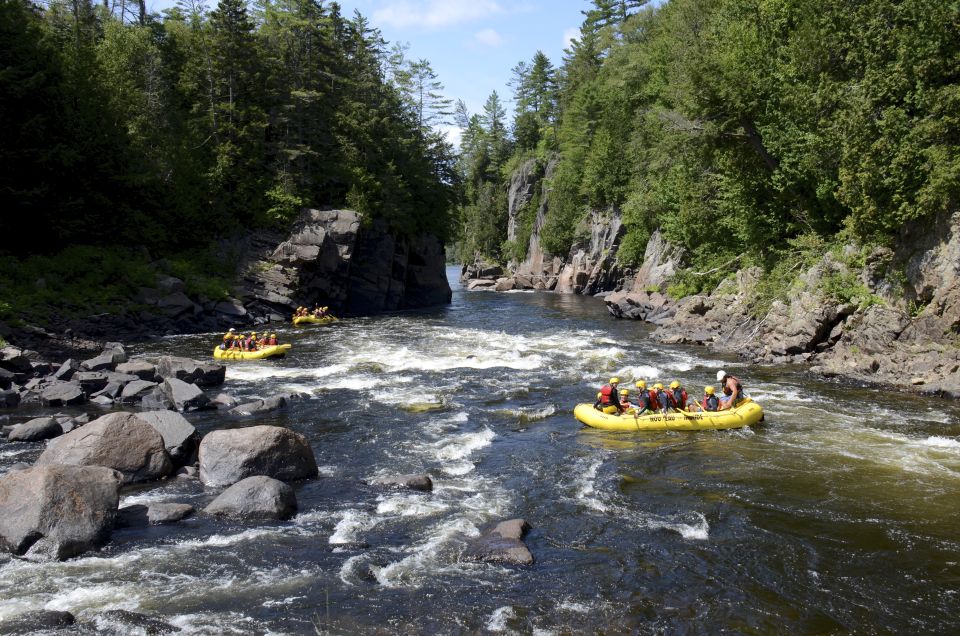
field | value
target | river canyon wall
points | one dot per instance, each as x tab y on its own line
903	331
328	257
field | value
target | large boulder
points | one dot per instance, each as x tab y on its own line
185	397
66	370
57	511
36	430
135	391
255	497
140	368
227	456
259	407
91	381
179	436
121	441
112	355
191	371
157	400
15	359
139	515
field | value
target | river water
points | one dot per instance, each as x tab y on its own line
840	512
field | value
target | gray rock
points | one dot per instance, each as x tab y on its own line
91	381
120	441
102	362
135	391
112	391
62	394
140	368
56	512
9	398
227	456
259	407
224	401
157	400
102	400
66	370
185	397
411	482
124	622
187	472
501	544
256	497
36	621
176	304
191	371
180	438
35	430
15	359
6	378
139	516
41	369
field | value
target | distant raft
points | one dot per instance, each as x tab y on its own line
259	354
747	413
313	320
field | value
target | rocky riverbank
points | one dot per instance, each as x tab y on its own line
329	257
900	330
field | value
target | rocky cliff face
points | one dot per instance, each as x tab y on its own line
329	259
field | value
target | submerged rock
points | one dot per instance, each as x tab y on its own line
36	621
501	544
421	482
139	515
125	622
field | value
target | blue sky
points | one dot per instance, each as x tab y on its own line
471	44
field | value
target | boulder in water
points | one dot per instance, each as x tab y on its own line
140	368
36	621
179	436
120	441
62	394
501	544
138	515
258	407
227	456
56	512
135	391
123	622
421	482
191	371
35	430
185	397
255	497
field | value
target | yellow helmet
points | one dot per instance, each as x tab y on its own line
614	380
708	390
658	386
624	392
641	384
674	385
273	335
253	333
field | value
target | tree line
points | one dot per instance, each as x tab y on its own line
167	131
739	127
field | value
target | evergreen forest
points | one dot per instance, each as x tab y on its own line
764	131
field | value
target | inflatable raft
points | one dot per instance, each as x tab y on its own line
747	413
313	320
260	354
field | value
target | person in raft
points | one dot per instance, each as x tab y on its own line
272	340
732	390
643	398
661	398
625	399
710	400
228	339
608	399
677	396
250	344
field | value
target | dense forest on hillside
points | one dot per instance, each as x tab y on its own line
763	131
128	136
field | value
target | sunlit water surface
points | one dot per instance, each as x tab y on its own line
839	513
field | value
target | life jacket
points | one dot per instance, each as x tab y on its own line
728	391
678	402
272	342
606	391
710	403
250	344
643	400
654	402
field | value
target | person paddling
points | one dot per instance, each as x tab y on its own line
643	398
732	390
677	396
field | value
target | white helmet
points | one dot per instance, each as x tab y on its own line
721	374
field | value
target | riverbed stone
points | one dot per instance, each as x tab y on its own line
139	515
180	438
136	390
259	407
66	370
57	511
120	441
6	378
9	398
227	456
35	430
502	543
91	381
157	400
15	359
191	371
36	621
62	394
185	397
257	497
140	368
123	622
421	482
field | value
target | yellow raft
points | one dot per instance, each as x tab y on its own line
747	413
313	320
259	354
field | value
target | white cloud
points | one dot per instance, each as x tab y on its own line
570	35
488	37
452	133
434	14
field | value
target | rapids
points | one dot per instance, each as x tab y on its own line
839	513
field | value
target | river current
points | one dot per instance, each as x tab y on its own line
838	513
